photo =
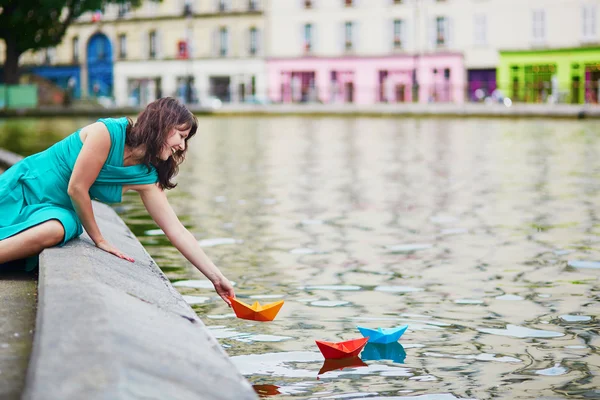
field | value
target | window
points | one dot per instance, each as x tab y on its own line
441	29
50	55
589	22
539	25
348	45
122	46
187	8
182	49
308	31
223	38
348	3
75	44
152	42
398	39
308	4
124	9
253	41
480	30
252	5
223	6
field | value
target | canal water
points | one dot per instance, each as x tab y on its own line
482	235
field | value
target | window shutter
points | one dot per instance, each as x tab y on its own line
258	42
405	34
158	45
432	33
449	33
355	36
215	42
342	39
145	41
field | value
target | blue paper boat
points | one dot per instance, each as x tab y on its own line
391	351
383	336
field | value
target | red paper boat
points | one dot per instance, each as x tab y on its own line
341	363
255	312
349	348
266	390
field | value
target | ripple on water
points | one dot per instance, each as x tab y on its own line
398	289
575	318
468	301
584	264
223	332
557	370
267	296
521	332
154	232
330	287
329	303
440	396
477	357
196	283
218	242
408	248
285	364
195	299
312	222
303	251
509	297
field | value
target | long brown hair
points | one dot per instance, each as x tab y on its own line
152	129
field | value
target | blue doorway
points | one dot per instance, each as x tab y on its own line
100	66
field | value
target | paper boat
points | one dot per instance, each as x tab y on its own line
391	351
255	312
266	390
341	363
383	336
349	348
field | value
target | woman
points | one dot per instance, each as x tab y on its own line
47	197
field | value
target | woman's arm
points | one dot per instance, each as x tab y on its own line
90	160
155	201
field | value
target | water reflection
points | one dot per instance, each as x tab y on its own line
388	351
482	235
340	364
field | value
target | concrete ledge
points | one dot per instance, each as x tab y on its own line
476	110
7	158
110	329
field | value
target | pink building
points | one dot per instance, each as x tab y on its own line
367	80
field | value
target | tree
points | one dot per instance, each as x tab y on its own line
37	24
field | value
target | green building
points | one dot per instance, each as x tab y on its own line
538	76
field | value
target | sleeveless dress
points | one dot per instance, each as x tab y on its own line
34	190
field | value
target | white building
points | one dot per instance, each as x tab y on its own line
196	50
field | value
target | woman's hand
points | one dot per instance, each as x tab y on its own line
109	248
224	289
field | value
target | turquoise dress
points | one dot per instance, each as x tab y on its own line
34	190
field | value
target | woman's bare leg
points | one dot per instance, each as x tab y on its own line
31	241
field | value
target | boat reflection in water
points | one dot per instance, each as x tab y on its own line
266	390
391	351
333	364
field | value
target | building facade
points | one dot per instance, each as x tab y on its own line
346	51
195	50
361	51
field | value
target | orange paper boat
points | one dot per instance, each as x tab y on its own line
341	363
255	312
349	348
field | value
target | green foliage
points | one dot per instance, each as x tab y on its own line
37	24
